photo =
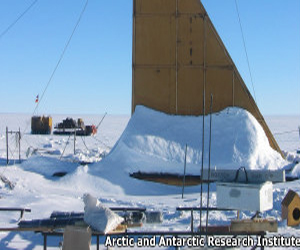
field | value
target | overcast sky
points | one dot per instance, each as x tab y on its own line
95	74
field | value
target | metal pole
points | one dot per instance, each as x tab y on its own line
183	182
6	145
209	156
45	241
74	140
192	220
101	120
176	58
203	130
19	145
202	162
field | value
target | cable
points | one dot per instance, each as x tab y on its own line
238	13
108	147
62	55
14	22
65	147
286	132
59	61
84	144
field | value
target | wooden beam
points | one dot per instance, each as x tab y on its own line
255	225
216	175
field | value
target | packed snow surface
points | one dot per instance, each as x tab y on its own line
152	142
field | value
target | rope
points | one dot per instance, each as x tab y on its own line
84	143
286	132
245	48
14	22
65	147
108	147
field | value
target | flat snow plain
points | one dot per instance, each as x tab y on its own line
107	176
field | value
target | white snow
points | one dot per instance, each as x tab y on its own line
152	141
98	216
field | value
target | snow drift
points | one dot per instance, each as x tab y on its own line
155	142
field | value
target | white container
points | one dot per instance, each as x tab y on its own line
241	196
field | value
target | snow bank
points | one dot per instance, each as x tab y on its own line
155	142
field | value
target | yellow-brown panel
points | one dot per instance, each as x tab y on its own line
190	6
244	100
154	58
155	6
190	40
242	96
155	40
190	91
156	89
215	50
219	84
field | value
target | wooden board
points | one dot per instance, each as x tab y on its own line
216	175
255	225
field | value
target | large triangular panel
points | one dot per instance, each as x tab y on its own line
178	55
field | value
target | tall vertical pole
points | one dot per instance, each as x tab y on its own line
202	160
133	55
176	58
298	151
233	75
19	145
209	157
203	130
6	145
74	140
183	182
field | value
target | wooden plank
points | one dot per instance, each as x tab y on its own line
217	175
255	225
215	229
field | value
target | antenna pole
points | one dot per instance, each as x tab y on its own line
203	130
101	120
209	156
74	140
202	162
19	137
6	145
183	183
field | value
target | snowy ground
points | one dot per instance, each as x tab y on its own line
37	189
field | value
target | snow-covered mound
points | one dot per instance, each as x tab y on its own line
155	142
48	166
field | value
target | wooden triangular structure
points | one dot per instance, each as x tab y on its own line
178	55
